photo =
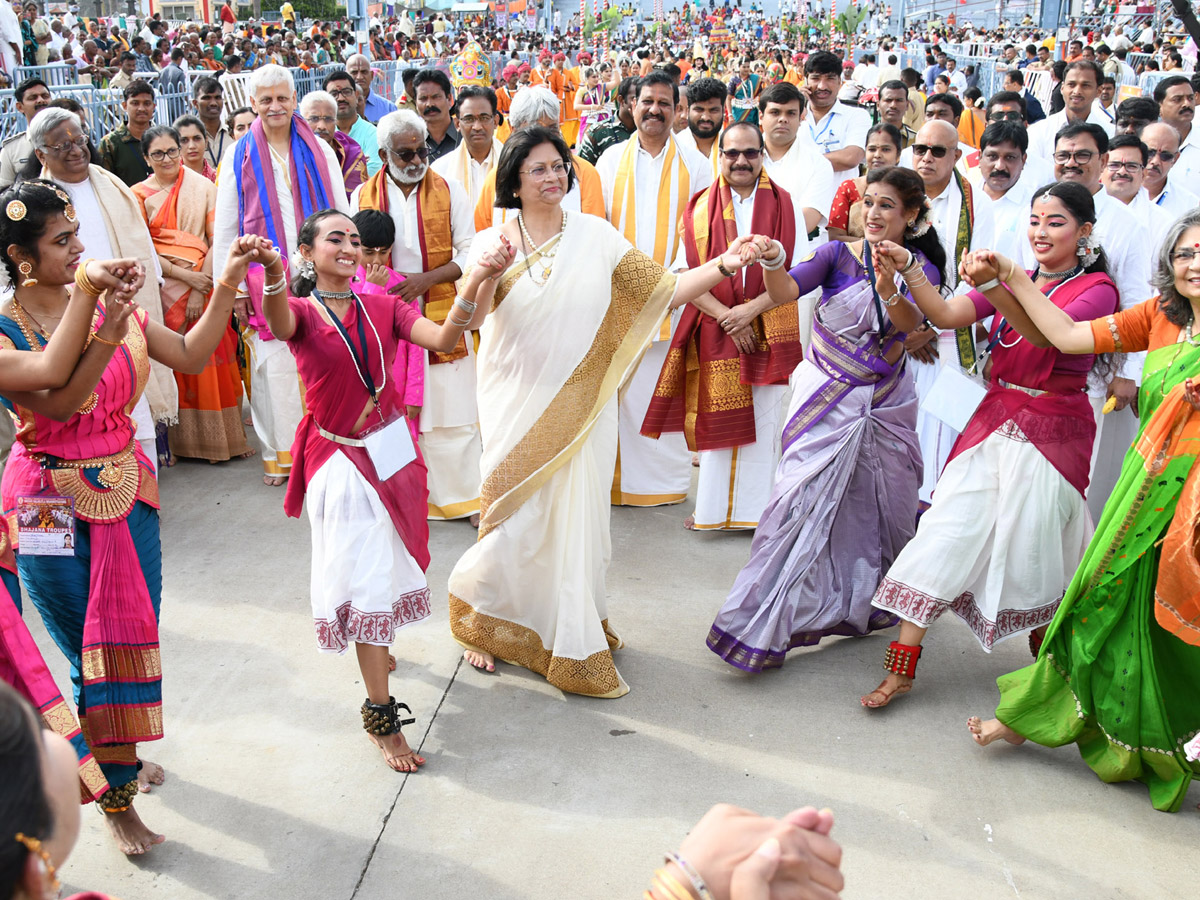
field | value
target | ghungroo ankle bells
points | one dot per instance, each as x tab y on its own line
118	799
901	659
381	719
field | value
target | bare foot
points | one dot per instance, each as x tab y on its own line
690	523
891	686
131	834
396	752
150	773
474	520
248	421
249	453
391	663
273	480
992	730
480	660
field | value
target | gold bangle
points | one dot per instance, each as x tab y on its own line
228	286
721	268
83	282
97	337
671	886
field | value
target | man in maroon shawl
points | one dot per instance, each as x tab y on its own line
725	389
320	111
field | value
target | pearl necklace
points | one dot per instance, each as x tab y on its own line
547	258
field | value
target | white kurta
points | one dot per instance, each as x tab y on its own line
449	424
275	405
1042	134
459	166
650	472
937	438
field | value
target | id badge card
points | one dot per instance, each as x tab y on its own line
46	525
391	448
954	397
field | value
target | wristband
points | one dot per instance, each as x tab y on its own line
227	286
721	268
988	285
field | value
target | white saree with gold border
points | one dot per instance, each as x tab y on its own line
551	359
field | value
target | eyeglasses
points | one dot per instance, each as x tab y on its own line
541	173
160	155
482	119
1164	155
1006	116
80	143
1080	156
407	156
732	155
923	149
1186	256
1131	167
312	119
344	92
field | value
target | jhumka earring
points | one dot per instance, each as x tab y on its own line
27	270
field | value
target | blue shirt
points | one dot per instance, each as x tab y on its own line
363	133
377	107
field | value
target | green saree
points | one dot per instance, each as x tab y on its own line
1109	678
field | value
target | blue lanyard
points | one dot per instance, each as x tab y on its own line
870	267
361	364
828	121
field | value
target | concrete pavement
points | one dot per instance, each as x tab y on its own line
529	794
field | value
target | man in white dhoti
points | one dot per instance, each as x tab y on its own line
726	391
648	181
434	229
963	219
275	176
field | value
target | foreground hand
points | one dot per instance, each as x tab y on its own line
809	863
738	318
413	286
241	310
413	412
921	344
745	339
377	274
244	250
116	318
1125	392
1191	394
978	267
890	254
746	250
495	259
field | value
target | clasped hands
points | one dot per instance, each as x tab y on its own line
745	251
121	279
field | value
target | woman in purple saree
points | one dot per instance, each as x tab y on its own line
845	496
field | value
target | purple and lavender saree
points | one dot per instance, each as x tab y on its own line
845	496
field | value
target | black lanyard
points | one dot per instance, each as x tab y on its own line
870	266
361	364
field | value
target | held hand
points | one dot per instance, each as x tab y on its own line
246	249
241	310
921	344
978	267
377	274
889	252
1125	392
495	259
124	275
885	272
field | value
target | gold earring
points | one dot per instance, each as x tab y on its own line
27	270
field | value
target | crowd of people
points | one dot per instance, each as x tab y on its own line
935	348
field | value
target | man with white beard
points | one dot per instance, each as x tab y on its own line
435	225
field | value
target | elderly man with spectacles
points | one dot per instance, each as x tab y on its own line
435	224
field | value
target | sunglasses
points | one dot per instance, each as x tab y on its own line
1164	155
923	149
732	155
407	156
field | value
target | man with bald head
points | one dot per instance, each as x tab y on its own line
964	220
376	107
1162	145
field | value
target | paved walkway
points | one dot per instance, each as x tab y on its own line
273	790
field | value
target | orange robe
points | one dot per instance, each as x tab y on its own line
591	195
503	105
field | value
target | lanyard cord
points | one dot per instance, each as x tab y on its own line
360	366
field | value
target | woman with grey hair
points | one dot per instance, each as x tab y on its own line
1117	673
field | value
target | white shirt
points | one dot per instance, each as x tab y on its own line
1153	219
743	215
406	252
958	81
843	126
1010	213
1186	171
647	174
93	231
450	168
805	173
226	225
945	210
867	75
1175	200
687	140
1042	134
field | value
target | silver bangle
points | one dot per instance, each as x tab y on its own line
988	285
702	890
892	300
779	259
275	287
461	302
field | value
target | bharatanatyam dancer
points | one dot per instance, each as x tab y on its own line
1118	670
1009	524
845	495
369	530
99	604
570	321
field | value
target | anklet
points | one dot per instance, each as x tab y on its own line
118	799
382	719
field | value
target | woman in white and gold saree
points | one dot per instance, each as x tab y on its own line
570	319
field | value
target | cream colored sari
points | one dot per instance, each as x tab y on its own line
551	358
